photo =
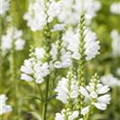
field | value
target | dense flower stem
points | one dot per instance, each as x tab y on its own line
47	35
81	68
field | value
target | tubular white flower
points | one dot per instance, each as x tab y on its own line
12	34
4	6
3	107
26	69
103	89
101	106
84	92
26	77
104	99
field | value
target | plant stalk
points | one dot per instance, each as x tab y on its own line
45	104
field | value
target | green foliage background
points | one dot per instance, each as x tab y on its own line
22	94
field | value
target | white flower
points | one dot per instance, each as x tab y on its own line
26	69
73	115
115	43
84	92
63	92
4	6
26	77
104	99
115	8
85	110
7	40
100	106
110	80
103	89
3	107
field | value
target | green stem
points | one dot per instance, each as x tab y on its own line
45	104
47	35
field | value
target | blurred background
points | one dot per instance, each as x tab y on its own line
21	94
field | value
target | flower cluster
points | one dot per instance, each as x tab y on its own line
65	50
95	95
91	44
115	43
115	8
4	6
68	89
75	7
34	68
79	98
13	35
3	107
40	13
